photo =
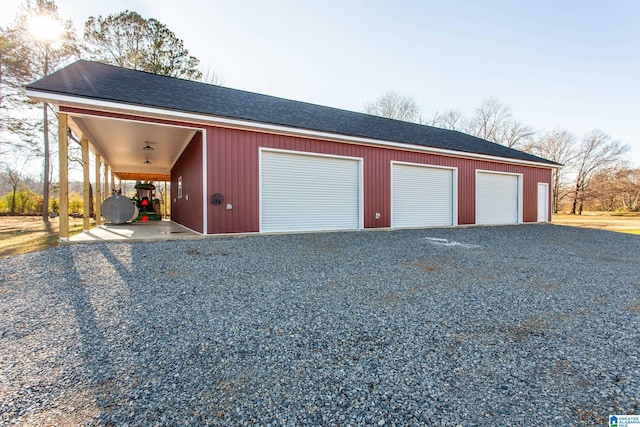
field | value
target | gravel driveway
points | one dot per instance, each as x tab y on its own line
523	325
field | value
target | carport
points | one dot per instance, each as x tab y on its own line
126	149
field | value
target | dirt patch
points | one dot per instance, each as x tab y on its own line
424	265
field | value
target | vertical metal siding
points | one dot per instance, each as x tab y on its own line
189	167
233	171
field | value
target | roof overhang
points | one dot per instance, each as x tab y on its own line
197	120
134	150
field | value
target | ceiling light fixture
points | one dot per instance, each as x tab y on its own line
147	147
147	162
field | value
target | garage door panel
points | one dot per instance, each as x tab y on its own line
305	193
497	198
422	196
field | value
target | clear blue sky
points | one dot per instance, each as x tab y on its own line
568	64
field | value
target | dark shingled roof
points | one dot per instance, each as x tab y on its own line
93	80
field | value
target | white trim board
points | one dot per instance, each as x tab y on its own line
205	179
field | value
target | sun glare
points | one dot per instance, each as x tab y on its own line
44	27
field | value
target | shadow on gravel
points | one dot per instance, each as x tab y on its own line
94	347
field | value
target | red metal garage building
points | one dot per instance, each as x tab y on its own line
245	162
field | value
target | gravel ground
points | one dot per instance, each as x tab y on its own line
523	325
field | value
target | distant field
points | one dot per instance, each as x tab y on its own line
623	223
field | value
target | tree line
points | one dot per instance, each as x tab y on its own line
594	176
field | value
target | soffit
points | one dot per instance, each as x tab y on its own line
121	143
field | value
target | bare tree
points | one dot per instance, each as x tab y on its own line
604	189
559	146
489	119
615	188
630	189
394	106
597	151
494	122
212	76
13	175
515	134
450	119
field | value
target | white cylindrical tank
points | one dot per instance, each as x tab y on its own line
118	209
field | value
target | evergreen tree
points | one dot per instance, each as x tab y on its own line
128	40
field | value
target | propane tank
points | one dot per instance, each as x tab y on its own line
118	209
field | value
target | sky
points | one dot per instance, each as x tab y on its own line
564	64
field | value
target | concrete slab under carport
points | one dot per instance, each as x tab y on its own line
135	231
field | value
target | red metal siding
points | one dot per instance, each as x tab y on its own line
233	159
187	210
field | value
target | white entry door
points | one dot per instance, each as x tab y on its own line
543	202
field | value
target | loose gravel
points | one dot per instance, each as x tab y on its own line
523	325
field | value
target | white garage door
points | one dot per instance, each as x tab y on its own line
497	198
308	193
421	196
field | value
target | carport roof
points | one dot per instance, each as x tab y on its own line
96	81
